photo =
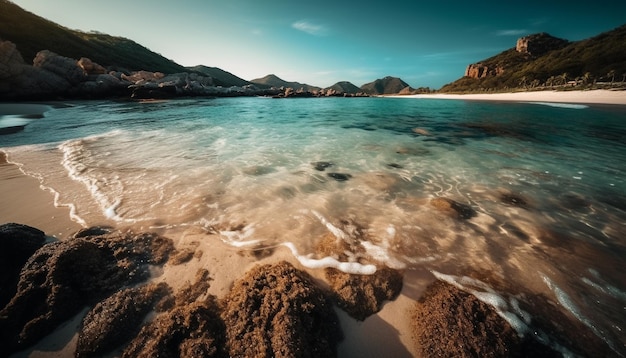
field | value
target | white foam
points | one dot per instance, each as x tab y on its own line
353	268
337	232
561	105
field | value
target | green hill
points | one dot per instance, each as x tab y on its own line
32	33
220	77
275	81
387	85
600	58
344	87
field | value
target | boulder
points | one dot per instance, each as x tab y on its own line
17	244
90	67
277	311
11	61
453	208
117	319
64	67
363	295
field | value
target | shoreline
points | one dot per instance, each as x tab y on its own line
579	96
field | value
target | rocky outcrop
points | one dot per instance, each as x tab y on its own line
54	76
277	311
539	44
17	244
478	70
60	278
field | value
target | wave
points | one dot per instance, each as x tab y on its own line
561	105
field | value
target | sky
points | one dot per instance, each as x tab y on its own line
321	42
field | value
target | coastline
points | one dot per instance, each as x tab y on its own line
580	97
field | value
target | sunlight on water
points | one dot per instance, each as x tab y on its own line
529	191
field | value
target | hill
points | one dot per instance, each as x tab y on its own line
31	34
275	81
387	85
344	87
220	77
541	60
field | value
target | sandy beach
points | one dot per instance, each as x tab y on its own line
581	97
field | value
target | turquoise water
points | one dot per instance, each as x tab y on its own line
544	186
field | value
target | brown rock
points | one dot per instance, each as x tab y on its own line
363	295
17	244
276	311
90	67
448	322
453	208
66	68
117	319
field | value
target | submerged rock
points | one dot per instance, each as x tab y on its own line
321	166
340	176
277	311
117	319
513	199
448	322
453	208
17	243
363	295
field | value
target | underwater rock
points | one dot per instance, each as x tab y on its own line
395	165
453	208
321	166
17	243
363	295
340	176
277	311
514	200
115	320
448	322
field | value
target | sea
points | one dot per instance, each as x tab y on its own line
521	203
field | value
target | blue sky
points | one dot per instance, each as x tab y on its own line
319	42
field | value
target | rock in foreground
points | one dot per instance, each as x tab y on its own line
277	311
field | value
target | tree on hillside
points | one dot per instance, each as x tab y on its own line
564	78
612	75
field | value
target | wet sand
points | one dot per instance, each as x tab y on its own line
386	332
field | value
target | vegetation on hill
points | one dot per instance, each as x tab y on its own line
275	81
31	34
581	63
387	85
344	87
220	77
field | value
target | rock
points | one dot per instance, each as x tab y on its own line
513	199
62	277
64	67
17	244
277	311
191	328
56	282
90	67
117	319
321	166
363	295
448	322
453	208
478	70
11	61
395	165
539	44
340	176
421	131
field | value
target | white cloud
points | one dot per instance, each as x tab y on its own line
512	32
310	28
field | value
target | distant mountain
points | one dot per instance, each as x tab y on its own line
344	87
220	77
274	81
32	34
541	60
387	85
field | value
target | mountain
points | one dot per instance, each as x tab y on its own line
220	77
387	85
31	34
274	81
344	87
541	60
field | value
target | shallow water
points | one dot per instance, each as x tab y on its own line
542	188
